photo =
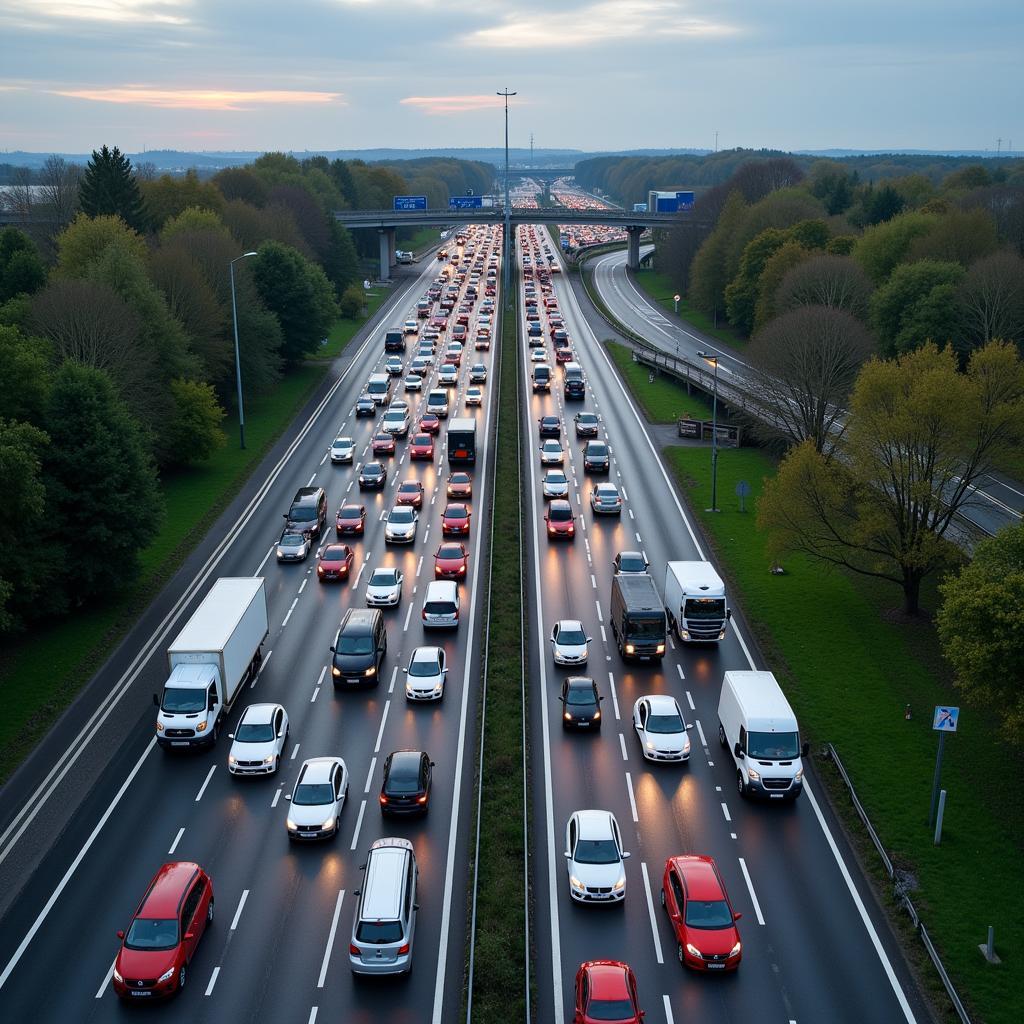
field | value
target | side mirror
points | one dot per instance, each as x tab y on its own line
156	700
736	917
689	725
600	698
567	854
728	613
433	764
805	749
626	855
120	935
287	796
357	892
415	906
590	639
231	735
561	699
189	936
737	750
333	651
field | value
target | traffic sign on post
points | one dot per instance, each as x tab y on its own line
742	490
945	719
410	202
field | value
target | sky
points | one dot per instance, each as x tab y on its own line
589	74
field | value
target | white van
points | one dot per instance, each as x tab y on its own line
695	602
758	728
379	387
441	605
385	921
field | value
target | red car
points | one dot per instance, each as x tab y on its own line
455	521
439	323
451	562
462	320
453	356
703	921
167	926
560	520
350	519
383	444
430	424
410	493
563	354
335	563
606	994
460	485
459	332
422	447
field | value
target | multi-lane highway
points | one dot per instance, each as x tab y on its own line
815	947
278	948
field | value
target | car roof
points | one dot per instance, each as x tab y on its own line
426	654
594	824
561	504
607	486
167	888
700	876
258	714
662	703
406	762
317	769
570	624
607	979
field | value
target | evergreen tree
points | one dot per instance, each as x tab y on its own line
109	187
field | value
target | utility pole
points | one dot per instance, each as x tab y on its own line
716	140
238	360
506	232
714	433
531	149
999	147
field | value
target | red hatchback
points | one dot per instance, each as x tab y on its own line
350	519
703	921
162	939
383	444
335	563
422	447
560	520
450	562
430	424
455	521
410	493
606	994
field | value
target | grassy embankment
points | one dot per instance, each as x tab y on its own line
42	672
850	668
500	958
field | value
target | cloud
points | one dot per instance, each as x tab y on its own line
200	99
602	22
453	104
115	12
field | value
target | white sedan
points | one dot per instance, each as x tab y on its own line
474	396
537	355
413	382
551	453
401	525
317	799
258	740
384	588
342	449
425	676
570	644
556	484
595	858
661	728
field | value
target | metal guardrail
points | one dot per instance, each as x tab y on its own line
900	892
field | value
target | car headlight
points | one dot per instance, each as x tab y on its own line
167	975
232	759
291	826
751	774
630	649
576	884
371	671
799	775
736	949
567	716
328	823
620	884
159	726
686	744
201	727
117	976
597	714
693	950
438	688
335	671
650	745
661	648
280	552
269	759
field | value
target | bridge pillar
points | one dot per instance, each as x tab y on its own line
633	233
387	252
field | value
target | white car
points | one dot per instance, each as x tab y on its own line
342	449
448	375
570	644
606	500
595	858
384	588
396	421
317	799
393	366
413	382
474	396
478	374
661	728
420	365
551	453
258	740
537	355
556	484
411	327
425	676
401	525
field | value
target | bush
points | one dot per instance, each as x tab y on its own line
194	432
352	302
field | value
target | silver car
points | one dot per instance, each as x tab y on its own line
293	547
384	928
556	484
401	525
342	449
606	500
570	644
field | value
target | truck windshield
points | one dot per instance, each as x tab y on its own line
773	746
704	608
180	701
646	627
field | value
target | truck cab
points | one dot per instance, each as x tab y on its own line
190	707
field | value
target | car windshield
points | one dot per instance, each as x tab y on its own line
596	851
355	645
371	469
773	746
460	478
647	628
610	1009
587	419
560	515
705	608
665	723
303	514
179	700
572	636
597	449
424	667
343	442
632	563
401	515
383	578
152	933
449	551
291	540
579	695
708	914
557	478
379	933
313	794
262	732
335	553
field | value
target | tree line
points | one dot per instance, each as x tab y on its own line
117	351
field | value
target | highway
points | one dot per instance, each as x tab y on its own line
85	825
815	945
998	501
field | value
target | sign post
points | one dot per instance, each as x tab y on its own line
944	720
742	490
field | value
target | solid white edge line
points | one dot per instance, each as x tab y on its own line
213	980
750	889
238	911
330	940
650	911
62	885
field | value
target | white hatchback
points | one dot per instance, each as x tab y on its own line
317	799
595	858
384	588
425	676
551	453
342	449
661	728
258	740
570	644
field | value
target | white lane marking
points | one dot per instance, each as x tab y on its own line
277	797
302	585
289	615
238	912
593	581
750	888
408	616
700	732
689	700
177	839
732	835
263	665
355	585
359	822
105	983
394	676
669	1019
624	494
349	488
638	540
600	617
679	669
615	696
419	566
316	693
630	511
295	751
604	638
206	782
725	811
622	745
650	911
330	939
320	678
259	568
632	798
369	774
380	732
213	981
312	478
324	459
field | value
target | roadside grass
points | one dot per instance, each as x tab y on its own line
849	669
42	671
419	240
663	400
500	956
344	330
660	289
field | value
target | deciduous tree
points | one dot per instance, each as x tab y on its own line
194	430
837	282
22	271
992	300
85	240
917	304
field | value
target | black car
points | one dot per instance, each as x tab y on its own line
406	786
308	512
587	424
581	703
373	476
550	426
595	457
359	648
365	406
629	563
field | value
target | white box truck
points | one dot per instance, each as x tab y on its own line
758	728
217	651
695	602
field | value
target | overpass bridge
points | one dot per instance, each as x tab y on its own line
386	222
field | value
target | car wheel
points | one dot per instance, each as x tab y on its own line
680	954
209	913
721	734
337	826
277	764
663	897
181	977
741	784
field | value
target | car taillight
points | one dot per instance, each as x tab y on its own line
383	799
354	949
403	949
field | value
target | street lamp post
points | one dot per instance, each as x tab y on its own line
714	432
507	245
238	362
